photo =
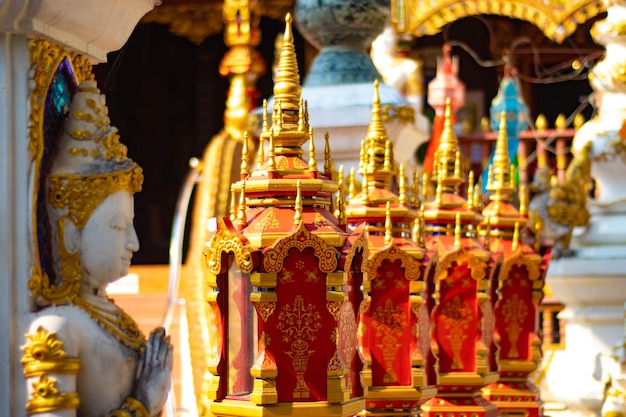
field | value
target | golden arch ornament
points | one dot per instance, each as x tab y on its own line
557	19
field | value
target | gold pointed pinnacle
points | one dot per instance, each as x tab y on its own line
341	204
415	196
415	231
271	162
242	221
365	191
245	157
470	190
287	85
515	244
376	129
301	126
447	155
351	184
327	162
297	215
487	240
233	204
523	201
312	160
387	164
388	234
362	163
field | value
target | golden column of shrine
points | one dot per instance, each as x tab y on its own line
285	276
516	291
458	290
394	329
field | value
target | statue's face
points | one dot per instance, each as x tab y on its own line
108	240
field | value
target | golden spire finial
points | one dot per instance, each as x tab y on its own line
439	192
415	192
447	156
312	160
245	157
365	191
499	179
287	89
341	203
242	221
425	179
579	120
523	201
478	196
376	129
487	241
387	163
351	184
422	218
457	230
362	162
470	190
271	161
233	204
388	234
515	243
561	122
415	230
297	215
401	185
541	123
327	163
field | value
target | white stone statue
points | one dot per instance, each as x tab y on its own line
83	355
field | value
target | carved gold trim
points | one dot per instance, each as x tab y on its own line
532	262
478	267
226	241
360	242
274	256
43	354
555	18
46	397
393	253
45	57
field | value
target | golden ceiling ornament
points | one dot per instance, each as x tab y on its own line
197	21
557	19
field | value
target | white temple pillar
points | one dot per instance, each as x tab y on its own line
15	215
89	27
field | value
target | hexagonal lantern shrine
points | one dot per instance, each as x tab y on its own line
517	289
458	291
286	276
394	329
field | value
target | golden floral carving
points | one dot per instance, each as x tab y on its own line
269	222
274	256
298	322
265	309
226	241
522	260
514	311
389	322
456	316
43	354
334	308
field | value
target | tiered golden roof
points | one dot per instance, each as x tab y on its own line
282	184
389	215
440	210
502	215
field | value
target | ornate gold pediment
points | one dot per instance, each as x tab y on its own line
557	19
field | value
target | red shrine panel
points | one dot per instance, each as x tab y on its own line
387	325
454	320
517	315
295	333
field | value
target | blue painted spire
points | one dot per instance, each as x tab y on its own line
509	100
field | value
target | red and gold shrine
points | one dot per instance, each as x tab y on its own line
286	276
394	328
462	321
517	290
